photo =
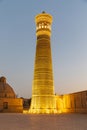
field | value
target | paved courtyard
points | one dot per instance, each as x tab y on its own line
43	122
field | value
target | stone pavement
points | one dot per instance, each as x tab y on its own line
10	121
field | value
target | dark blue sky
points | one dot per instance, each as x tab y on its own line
68	41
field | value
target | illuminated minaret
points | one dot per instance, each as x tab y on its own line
43	98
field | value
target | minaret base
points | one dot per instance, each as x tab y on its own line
43	105
43	111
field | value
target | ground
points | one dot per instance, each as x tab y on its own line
10	121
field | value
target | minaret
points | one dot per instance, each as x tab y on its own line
43	98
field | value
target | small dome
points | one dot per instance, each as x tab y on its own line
3	79
6	90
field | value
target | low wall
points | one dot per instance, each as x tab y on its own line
14	105
75	102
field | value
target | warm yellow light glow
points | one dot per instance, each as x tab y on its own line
43	24
63	103
25	111
66	103
43	98
59	103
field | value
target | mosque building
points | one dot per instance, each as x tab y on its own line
8	100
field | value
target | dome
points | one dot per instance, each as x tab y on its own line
6	90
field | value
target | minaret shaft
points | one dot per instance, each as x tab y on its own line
43	76
43	99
